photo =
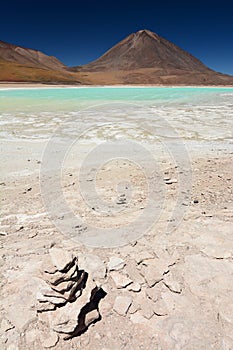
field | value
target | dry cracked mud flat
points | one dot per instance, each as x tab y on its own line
159	292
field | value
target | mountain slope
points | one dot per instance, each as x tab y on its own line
29	57
19	64
15	72
145	49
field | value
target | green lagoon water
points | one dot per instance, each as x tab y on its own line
69	98
195	113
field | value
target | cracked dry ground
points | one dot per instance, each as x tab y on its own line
161	292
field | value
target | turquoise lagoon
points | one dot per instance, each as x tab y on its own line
195	113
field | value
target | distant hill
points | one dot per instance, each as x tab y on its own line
28	57
141	58
19	64
16	72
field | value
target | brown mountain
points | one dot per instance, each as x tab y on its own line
141	58
19	64
146	58
145	49
29	57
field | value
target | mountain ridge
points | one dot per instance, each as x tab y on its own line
30	57
143	57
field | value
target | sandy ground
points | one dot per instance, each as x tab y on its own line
170	287
175	290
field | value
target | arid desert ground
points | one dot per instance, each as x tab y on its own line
171	285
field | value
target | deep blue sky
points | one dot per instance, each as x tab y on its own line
78	32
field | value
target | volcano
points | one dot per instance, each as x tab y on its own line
145	49
145	57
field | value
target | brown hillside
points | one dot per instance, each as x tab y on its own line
29	57
15	72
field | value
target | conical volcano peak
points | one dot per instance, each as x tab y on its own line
145	49
145	33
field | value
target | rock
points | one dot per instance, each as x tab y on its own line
120	280
50	341
153	293
137	318
160	308
142	256
105	308
53	293
218	251
63	286
19	228
65	327
6	325
3	233
170	181
59	277
61	258
115	263
122	304
94	265
147	309
45	306
74	295
122	199
146	305
172	284
53	300
74	291
134	287
66	318
134	307
134	273
91	316
32	235
166	178
153	275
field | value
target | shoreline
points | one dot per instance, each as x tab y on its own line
15	85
